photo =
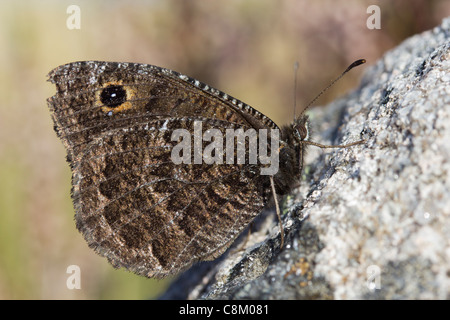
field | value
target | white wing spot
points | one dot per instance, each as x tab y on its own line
164	126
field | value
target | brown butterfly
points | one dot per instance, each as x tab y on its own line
133	204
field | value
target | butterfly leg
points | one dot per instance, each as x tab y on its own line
277	208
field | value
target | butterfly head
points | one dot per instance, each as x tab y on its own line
301	128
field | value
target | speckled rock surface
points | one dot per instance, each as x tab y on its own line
368	222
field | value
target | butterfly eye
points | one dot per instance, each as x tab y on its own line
113	96
301	131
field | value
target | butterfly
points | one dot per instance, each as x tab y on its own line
133	203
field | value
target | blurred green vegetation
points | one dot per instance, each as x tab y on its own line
244	48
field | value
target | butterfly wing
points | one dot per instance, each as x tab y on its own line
94	97
154	217
133	204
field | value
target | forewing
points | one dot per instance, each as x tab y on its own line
81	110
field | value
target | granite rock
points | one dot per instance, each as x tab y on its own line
367	222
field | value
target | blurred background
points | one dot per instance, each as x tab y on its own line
244	48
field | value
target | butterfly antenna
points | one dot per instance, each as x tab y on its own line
353	65
295	85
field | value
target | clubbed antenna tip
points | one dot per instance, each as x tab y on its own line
353	65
